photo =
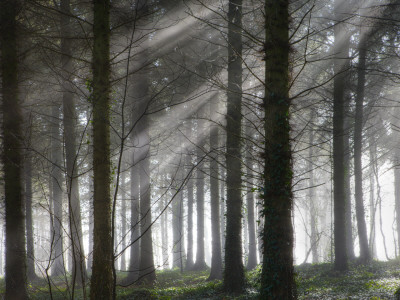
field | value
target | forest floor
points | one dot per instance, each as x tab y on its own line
377	280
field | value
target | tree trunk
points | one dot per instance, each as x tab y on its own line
123	222
69	121
252	258
216	259
347	185
57	268
134	262
234	271
277	278
146	271
30	271
12	157
311	195
189	260
341	46
102	270
396	196
177	218
222	216
358	128
91	225
200	263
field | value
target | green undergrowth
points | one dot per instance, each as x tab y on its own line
377	280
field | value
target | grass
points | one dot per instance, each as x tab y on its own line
377	280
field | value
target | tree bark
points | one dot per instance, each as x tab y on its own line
311	194
252	258
189	259
338	142
123	221
102	270
134	262
69	122
31	275
277	277
146	271
234	271
216	259
57	268
200	263
358	176
15	269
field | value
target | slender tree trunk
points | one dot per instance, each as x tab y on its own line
91	225
277	278
57	268
102	270
134	262
200	263
30	271
216	259
164	230
189	261
177	226
69	121
347	186
341	46
311	195
12	121
252	258
146	271
123	221
358	128
396	194
234	271
222	215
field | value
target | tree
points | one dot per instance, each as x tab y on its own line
234	271
102	274
358	176
69	122
12	157
277	278
216	259
340	47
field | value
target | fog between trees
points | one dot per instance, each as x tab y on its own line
217	137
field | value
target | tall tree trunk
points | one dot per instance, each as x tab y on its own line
91	224
216	259
189	260
252	258
134	262
123	221
396	195
372	209
102	270
311	194
341	47
30	271
358	128
200	263
234	271
222	215
164	232
277	278
347	184
57	268
146	271
177	218
12	157
69	121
